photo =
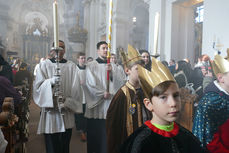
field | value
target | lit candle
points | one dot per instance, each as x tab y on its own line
55	25
156	32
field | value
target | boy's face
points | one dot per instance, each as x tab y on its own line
166	107
133	73
82	60
113	59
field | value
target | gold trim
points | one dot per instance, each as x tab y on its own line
129	117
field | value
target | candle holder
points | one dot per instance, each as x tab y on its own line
58	94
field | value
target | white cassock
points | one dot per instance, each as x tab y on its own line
82	76
51	119
95	87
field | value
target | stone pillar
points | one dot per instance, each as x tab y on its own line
182	36
121	24
92	30
176	30
86	24
4	18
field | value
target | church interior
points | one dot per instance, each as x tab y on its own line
187	29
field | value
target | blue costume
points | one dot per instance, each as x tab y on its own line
210	122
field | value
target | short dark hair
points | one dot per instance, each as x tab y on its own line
89	58
100	43
173	60
141	51
80	54
59	41
161	88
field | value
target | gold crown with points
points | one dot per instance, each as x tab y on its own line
149	80
220	65
131	57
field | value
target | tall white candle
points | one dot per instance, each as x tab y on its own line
55	24
156	32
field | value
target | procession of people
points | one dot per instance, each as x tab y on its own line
119	101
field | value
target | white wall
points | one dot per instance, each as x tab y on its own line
216	13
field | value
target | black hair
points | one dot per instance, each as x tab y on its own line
165	63
186	68
80	54
59	41
148	65
100	43
89	58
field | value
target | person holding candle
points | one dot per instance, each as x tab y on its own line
98	98
57	125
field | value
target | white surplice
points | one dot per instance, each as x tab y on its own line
3	142
82	75
95	87
51	119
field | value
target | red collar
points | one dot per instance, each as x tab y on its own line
170	134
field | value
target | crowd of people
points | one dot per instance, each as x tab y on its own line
127	107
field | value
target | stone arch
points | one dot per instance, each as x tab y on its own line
36	21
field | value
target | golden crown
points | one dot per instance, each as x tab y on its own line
149	80
220	65
131	57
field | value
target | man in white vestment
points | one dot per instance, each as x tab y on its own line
98	98
3	142
80	120
57	120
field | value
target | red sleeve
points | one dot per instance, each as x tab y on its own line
220	141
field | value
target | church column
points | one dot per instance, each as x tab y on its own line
164	7
121	24
4	18
182	36
86	24
92	30
155	6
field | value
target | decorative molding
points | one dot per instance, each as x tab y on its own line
36	20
